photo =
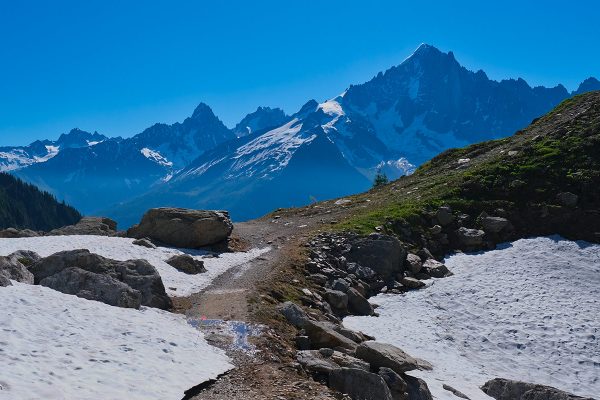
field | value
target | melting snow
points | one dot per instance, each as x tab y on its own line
527	311
156	157
177	283
58	346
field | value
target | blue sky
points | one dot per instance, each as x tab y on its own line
119	66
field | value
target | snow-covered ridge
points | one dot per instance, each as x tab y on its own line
156	157
58	346
526	311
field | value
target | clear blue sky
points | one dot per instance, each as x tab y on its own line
119	66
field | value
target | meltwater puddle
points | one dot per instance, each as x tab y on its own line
232	335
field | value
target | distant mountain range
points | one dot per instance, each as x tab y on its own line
397	120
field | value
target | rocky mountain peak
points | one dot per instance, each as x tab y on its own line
262	118
203	111
588	85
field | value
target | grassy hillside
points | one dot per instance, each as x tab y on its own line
24	206
520	177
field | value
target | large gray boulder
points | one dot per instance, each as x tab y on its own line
100	226
357	304
294	314
506	389
395	382
469	237
389	356
417	388
118	283
185	228
494	224
4	281
323	334
359	384
14	266
187	264
382	253
436	269
327	361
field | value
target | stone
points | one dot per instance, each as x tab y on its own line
341	285
359	384
337	299
361	272
119	283
186	264
506	389
494	224
100	226
382	253
435	269
469	237
386	355
294	314
397	385
302	342
567	199
412	283
11	233
444	216
183	228
436	229
323	334
313	361
357	304
417	388
145	242
455	392
15	266
4	281
319	279
413	263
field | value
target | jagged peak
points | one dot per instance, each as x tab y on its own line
202	110
588	85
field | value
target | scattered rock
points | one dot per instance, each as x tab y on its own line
359	384
456	392
119	283
187	264
470	237
444	216
11	233
294	314
100	226
417	388
397	385
436	229
412	283
567	199
15	266
505	389
389	356
4	281
145	242
341	285
337	299
314	361
494	224
435	269
413	263
323	334
185	228
357	304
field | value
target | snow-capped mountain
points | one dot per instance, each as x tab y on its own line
17	157
261	119
117	169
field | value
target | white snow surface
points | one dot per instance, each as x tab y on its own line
176	283
58	346
528	311
156	157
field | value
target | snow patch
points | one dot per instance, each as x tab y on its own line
58	346
176	283
156	157
526	311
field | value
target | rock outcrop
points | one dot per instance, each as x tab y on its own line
187	264
11	233
100	226
506	389
183	228
118	283
14	266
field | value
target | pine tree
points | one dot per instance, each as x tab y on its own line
380	179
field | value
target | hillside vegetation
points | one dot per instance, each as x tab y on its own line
24	206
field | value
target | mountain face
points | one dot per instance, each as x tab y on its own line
23	206
392	123
261	119
13	158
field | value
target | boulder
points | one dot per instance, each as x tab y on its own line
357	304
444	216
185	228
4	281
455	392
506	389
359	384
435	269
145	242
469	237
323	334
413	263
14	266
11	233
100	226
361	272
337	299
294	314
494	224
417	388
119	283
382	253
386	355
313	361
397	385
341	285
412	283
567	199
187	264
